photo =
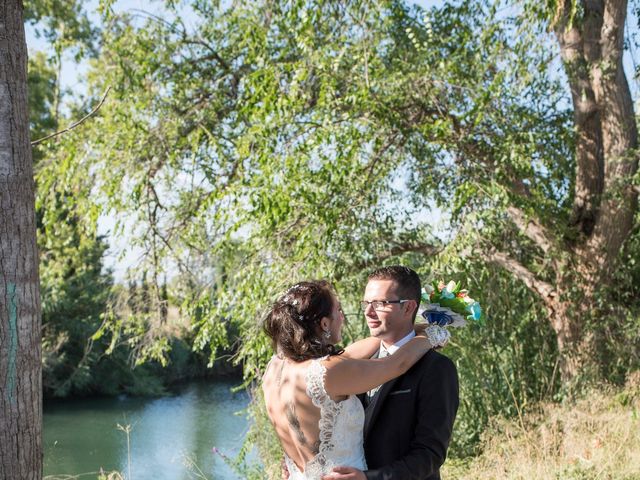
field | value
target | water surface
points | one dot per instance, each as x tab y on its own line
170	438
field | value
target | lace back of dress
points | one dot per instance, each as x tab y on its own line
340	429
329	409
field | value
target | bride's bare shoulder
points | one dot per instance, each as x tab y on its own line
267	376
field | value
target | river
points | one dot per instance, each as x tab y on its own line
170	438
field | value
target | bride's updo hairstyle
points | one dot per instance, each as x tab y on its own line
293	322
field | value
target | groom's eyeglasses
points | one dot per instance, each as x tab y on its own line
379	304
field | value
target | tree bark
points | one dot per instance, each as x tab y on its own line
20	363
606	160
619	143
578	48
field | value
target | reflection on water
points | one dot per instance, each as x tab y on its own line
167	434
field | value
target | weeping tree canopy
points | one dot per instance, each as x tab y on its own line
249	146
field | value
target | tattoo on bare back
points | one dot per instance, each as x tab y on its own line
295	424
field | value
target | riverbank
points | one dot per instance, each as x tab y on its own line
594	438
115	373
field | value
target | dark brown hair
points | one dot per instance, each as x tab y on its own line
293	321
407	281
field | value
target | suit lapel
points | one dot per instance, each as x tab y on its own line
373	410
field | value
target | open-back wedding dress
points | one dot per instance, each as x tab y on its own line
341	424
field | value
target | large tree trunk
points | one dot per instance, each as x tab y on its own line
606	160
605	202
20	364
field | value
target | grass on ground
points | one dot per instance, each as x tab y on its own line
594	438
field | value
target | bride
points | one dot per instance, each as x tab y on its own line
310	385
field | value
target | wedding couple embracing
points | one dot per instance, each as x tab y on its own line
381	408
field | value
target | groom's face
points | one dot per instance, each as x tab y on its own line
393	321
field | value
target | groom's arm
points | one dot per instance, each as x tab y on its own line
436	411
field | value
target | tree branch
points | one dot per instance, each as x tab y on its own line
76	124
542	288
531	228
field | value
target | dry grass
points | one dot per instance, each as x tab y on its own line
595	438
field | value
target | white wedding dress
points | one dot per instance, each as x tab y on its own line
341	425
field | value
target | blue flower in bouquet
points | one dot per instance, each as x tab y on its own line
475	311
434	314
437	318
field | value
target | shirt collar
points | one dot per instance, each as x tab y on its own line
391	349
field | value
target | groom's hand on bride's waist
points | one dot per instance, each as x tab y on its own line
345	473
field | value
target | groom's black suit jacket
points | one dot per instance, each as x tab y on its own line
408	423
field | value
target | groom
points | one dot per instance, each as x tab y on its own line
408	420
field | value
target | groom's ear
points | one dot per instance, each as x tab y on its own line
411	306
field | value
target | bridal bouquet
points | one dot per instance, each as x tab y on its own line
449	305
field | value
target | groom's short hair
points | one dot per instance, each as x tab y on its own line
406	279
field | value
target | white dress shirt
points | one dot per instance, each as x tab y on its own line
391	349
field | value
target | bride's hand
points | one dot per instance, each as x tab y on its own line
284	470
345	473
